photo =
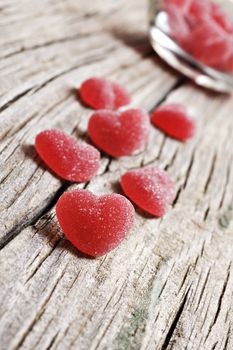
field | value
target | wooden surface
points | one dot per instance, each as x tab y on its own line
170	284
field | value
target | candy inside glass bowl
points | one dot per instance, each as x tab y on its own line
195	37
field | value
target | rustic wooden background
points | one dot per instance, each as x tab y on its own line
170	284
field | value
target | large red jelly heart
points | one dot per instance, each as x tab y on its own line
119	133
95	225
69	159
150	188
100	93
173	120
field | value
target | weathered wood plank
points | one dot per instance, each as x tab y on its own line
169	285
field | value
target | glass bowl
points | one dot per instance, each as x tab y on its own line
196	38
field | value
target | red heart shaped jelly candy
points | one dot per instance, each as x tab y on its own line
119	133
95	225
100	93
174	121
72	160
150	188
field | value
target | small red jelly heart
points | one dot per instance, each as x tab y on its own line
100	93
69	159
150	188
95	225
173	120
119	133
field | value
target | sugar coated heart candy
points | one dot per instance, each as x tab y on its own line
100	93
173	120
71	160
95	225
119	133
150	188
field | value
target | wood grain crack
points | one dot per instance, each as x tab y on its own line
206	213
27	221
52	341
189	170
214	346
170	164
164	285
180	82
47	44
185	277
219	301
203	289
32	274
227	339
175	321
226	184
14	99
210	175
178	193
221	296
